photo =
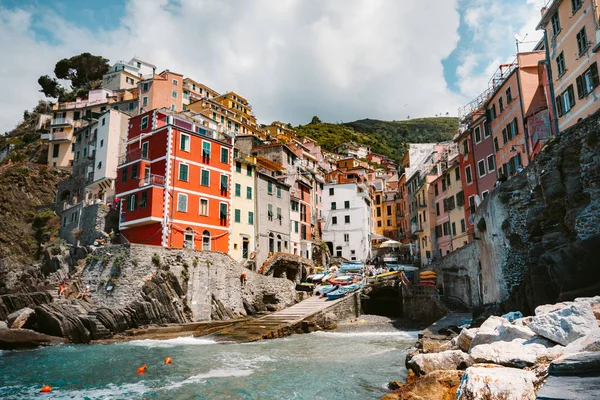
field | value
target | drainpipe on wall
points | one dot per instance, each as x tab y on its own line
525	130
172	194
551	83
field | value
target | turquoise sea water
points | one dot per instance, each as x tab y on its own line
319	365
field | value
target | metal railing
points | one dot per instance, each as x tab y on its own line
133	155
61	136
62	121
152	179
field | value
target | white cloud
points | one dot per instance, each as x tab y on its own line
341	60
493	25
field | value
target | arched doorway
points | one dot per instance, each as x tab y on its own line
206	240
188	238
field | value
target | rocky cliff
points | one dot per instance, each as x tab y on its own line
120	287
538	234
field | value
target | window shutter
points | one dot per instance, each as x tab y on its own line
580	87
594	72
559	106
571	96
515	130
504	136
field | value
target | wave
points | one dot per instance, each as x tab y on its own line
111	391
214	373
403	334
180	341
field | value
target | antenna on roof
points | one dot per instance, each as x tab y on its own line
519	40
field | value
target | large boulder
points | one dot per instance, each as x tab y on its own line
589	342
497	329
25	319
565	387
63	321
423	364
439	385
566	324
493	382
3	325
464	338
20	339
517	353
584	363
548	308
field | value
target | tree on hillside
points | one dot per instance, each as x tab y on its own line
82	70
315	120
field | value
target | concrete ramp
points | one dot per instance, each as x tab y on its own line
298	318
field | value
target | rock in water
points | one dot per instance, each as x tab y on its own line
575	376
439	385
566	324
393	385
497	329
19	339
25	319
488	381
423	364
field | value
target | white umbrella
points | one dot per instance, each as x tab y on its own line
390	243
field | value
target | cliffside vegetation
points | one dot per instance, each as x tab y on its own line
385	137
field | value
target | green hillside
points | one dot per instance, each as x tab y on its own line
384	137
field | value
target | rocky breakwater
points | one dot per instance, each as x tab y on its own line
119	288
554	354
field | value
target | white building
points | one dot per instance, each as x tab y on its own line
347	220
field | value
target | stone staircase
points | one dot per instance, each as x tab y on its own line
454	304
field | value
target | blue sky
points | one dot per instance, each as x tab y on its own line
381	59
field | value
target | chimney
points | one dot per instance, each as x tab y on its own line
543	11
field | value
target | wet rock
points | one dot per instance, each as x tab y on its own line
439	385
19	339
497	329
463	340
567	324
513	315
24	320
423	364
517	353
576	364
10	303
393	385
493	382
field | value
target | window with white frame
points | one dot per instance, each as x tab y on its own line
184	142
144	124
182	202
183	172
205	149
565	101
346	237
477	134
481	168
224	155
205	177
490	163
468	175
132	202
204	207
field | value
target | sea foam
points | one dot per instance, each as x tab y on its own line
180	341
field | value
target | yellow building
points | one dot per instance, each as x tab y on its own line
194	91
244	223
229	122
280	131
425	218
238	105
572	43
455	201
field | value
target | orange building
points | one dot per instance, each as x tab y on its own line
174	182
516	93
164	90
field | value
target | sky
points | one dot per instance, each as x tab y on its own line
341	60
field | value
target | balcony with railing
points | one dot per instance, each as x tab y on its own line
61	136
152	179
133	155
58	121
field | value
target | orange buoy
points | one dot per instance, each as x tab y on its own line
142	370
168	360
46	389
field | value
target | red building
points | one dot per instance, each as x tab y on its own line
174	182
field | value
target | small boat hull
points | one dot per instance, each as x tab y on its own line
336	294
